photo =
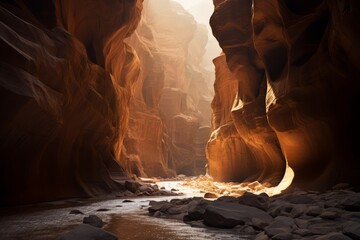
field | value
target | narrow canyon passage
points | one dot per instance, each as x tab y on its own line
179	119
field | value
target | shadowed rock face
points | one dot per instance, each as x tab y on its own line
296	66
81	108
62	115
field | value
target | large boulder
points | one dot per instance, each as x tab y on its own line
87	232
228	215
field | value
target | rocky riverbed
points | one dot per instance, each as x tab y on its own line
181	212
333	214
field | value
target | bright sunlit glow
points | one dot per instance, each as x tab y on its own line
207	184
202	11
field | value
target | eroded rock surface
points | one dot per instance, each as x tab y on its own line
65	92
296	215
295	68
169	114
82	108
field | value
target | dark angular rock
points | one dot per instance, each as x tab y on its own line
351	203
228	215
301	223
132	186
76	212
302	232
196	210
259	224
87	232
174	210
298	210
94	221
333	236
241	229
283	236
298	199
162	206
280	225
253	200
271	232
158	214
210	195
329	215
313	211
352	216
352	229
280	208
261	236
197	224
228	199
102	210
322	226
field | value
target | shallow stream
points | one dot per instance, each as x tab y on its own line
129	221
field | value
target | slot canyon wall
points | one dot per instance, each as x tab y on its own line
170	111
81	107
66	82
286	92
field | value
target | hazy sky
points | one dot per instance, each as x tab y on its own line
202	11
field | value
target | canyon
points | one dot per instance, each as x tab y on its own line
95	93
88	101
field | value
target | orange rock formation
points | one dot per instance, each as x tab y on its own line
66	83
170	111
295	65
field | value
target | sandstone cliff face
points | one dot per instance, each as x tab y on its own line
225	144
296	67
81	108
169	115
145	147
62	115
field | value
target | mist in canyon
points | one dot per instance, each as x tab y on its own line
238	110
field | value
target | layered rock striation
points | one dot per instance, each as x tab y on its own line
81	107
170	111
295	65
66	82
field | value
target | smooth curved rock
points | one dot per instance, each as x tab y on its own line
62	115
296	68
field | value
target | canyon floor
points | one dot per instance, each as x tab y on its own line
334	214
126	219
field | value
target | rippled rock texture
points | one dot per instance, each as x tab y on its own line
66	82
170	111
295	65
91	93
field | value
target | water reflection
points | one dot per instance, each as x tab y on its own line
136	227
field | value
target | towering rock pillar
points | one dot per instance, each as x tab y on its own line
297	66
